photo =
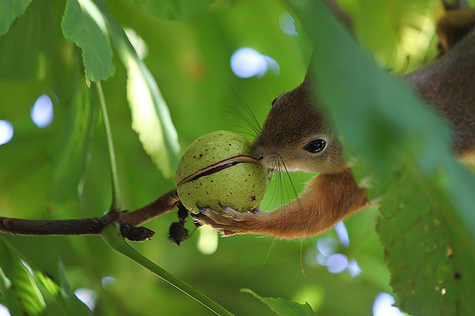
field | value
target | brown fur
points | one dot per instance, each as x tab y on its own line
448	84
453	27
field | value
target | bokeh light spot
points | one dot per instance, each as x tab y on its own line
353	268
246	62
337	263
342	234
107	280
86	296
383	306
42	111
327	246
207	240
4	311
6	131
286	23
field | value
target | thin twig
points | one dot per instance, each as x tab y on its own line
161	206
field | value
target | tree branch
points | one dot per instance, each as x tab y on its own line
85	226
94	226
164	204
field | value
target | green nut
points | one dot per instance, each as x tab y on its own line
217	168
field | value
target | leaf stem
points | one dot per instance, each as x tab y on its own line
116	200
113	239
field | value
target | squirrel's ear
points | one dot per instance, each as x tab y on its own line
453	26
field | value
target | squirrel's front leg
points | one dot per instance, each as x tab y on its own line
327	199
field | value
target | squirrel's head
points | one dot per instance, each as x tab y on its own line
296	135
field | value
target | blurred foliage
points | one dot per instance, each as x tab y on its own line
427	224
62	171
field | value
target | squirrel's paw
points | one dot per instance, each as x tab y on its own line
229	221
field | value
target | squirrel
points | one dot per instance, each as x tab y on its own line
297	136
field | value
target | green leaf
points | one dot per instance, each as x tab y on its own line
426	265
112	237
151	118
84	25
19	282
9	11
61	292
150	115
283	307
427	224
174	9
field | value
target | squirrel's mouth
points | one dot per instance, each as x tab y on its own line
273	163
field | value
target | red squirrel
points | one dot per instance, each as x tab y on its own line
296	136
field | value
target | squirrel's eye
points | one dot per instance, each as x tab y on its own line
315	146
273	101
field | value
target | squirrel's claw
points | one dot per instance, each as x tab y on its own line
229	212
208	212
229	222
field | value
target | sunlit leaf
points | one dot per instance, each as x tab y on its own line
21	281
283	307
22	284
150	115
427	223
9	11
47	282
84	25
174	9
